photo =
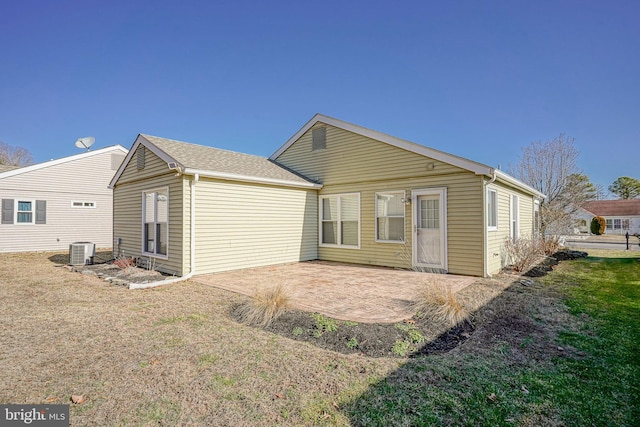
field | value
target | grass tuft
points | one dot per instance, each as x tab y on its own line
436	301
265	306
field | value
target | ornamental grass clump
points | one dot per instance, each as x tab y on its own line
265	306
437	302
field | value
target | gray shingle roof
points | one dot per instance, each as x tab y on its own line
204	158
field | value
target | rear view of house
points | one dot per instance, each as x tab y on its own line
49	205
334	191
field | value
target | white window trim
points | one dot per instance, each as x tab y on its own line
536	221
83	206
339	222
142	242
514	202
404	218
492	227
444	248
16	204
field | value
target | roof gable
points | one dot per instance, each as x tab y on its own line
461	162
213	162
624	207
50	163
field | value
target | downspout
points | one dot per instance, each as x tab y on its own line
192	251
192	238
485	232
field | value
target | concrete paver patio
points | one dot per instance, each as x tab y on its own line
342	291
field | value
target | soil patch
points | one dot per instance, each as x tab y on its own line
369	339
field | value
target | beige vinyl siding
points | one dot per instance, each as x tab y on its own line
127	215
352	163
496	239
464	224
241	225
351	158
85	179
154	166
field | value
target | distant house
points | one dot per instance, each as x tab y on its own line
621	216
49	205
334	191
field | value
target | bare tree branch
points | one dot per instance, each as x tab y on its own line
14	156
551	168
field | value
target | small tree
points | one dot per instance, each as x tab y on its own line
625	187
598	225
551	168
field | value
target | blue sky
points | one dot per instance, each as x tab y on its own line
479	79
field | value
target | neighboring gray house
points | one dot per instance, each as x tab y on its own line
49	205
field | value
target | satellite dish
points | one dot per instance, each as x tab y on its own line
85	142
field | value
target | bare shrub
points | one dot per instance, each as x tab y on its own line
523	253
125	262
265	306
550	244
437	302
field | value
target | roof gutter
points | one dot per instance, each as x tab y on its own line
516	183
247	178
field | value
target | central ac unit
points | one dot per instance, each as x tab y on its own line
81	253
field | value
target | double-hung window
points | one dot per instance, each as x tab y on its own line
390	217
492	210
155	217
24	213
340	220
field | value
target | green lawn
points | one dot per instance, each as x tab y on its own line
590	378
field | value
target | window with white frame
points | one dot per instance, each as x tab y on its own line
340	220
80	204
390	213
492	209
155	215
24	213
614	224
515	217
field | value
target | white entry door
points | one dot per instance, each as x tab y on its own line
430	228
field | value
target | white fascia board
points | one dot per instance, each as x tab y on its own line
470	165
508	179
140	139
50	163
247	178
